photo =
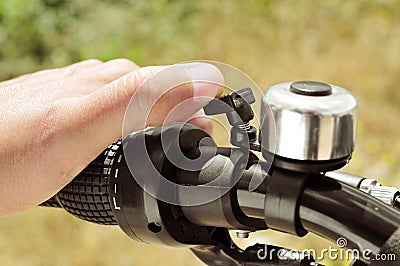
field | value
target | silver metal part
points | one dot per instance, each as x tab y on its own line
386	194
350	179
308	120
370	186
242	233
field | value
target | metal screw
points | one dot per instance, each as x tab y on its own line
242	233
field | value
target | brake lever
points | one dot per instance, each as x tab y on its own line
237	107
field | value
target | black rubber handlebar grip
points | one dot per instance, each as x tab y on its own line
87	196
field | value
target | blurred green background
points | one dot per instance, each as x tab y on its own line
353	44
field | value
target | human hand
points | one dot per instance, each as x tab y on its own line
55	122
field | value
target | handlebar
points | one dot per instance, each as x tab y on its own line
333	210
326	207
132	182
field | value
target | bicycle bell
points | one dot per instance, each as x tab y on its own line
309	126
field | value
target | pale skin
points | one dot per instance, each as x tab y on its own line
55	122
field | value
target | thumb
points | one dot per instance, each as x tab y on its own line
151	96
174	94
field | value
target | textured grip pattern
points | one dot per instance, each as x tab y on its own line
87	197
52	202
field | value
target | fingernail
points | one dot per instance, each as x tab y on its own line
207	81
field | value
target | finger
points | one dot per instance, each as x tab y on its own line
90	123
86	63
169	102
43	75
91	77
150	98
202	121
115	69
73	69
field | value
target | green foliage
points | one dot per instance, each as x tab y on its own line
38	34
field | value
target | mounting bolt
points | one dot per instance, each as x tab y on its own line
242	233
